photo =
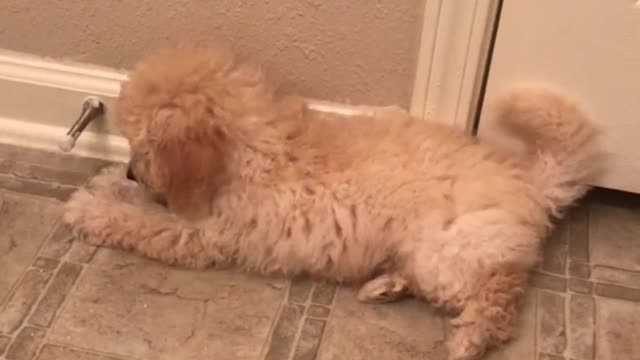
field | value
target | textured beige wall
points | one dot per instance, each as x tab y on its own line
363	51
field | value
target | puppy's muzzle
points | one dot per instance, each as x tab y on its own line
130	175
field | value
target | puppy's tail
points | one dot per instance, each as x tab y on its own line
562	142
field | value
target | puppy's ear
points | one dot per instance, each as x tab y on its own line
188	159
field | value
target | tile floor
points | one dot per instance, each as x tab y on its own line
64	300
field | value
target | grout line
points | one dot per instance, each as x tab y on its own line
613	268
549	273
90	351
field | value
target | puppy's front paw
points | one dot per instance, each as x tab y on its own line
111	183
85	217
76	207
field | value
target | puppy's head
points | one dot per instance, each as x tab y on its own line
177	110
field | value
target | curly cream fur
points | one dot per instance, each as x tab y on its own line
257	181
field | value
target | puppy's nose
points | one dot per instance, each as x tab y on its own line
130	174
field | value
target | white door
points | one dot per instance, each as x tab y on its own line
590	49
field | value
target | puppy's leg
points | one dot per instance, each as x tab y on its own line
108	222
489	314
383	289
478	273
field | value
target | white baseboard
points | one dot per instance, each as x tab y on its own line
41	98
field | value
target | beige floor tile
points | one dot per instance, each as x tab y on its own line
129	306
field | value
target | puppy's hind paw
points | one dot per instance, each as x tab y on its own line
383	289
467	343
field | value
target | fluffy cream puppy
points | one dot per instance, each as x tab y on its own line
255	180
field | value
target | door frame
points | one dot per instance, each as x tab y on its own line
453	60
